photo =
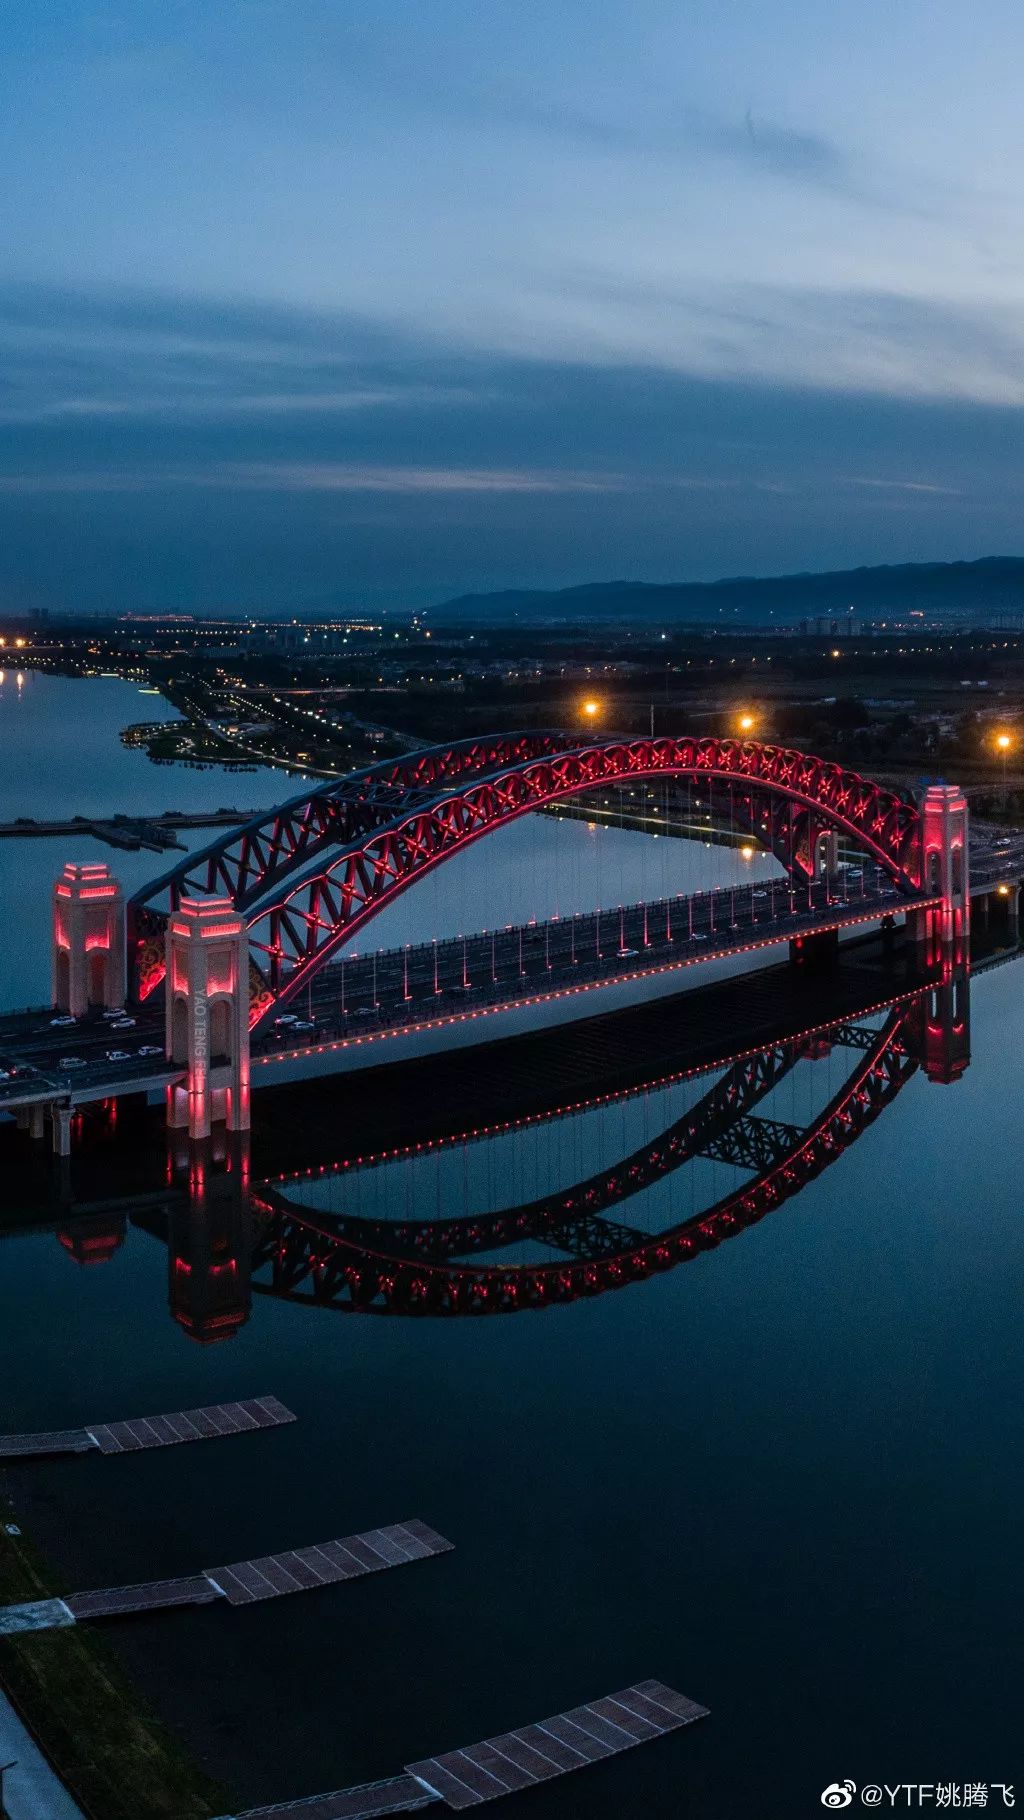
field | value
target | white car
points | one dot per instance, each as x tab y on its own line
71	1061
118	1055
62	1023
124	1023
150	1049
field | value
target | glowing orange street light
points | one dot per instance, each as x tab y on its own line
1003	744
591	708
747	723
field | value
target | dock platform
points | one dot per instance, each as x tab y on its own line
348	1559
537	1753
207	1424
507	1764
243	1583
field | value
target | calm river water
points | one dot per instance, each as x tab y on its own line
786	1478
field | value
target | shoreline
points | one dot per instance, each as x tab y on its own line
92	1725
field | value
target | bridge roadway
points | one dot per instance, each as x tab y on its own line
397	989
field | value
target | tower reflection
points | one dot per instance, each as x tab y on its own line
313	1253
210	1238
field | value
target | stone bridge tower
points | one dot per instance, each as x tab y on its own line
88	940
207	1010
944	866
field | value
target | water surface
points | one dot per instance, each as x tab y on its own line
785	1478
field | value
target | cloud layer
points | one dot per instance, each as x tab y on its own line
154	452
386	303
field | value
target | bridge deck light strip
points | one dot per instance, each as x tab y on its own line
143	1432
723	951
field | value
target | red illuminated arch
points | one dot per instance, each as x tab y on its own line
786	798
311	874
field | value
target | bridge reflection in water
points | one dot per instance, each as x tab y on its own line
771	1119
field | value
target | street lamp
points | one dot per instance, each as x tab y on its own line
747	723
1004	743
591	708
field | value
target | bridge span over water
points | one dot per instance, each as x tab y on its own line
212	954
392	1219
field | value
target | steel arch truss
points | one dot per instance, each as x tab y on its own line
310	1260
258	857
787	797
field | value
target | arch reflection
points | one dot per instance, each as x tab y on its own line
424	1267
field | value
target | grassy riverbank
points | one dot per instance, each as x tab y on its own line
114	1755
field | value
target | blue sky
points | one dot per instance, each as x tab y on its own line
325	302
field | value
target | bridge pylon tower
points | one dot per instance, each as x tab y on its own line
88	940
207	1015
944	868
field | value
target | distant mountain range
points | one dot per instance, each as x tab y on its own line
972	591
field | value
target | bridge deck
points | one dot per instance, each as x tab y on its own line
537	1753
362	1012
206	1424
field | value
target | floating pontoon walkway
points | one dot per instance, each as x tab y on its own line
536	1753
506	1764
243	1583
151	1431
399	1795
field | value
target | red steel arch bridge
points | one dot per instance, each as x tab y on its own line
308	876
